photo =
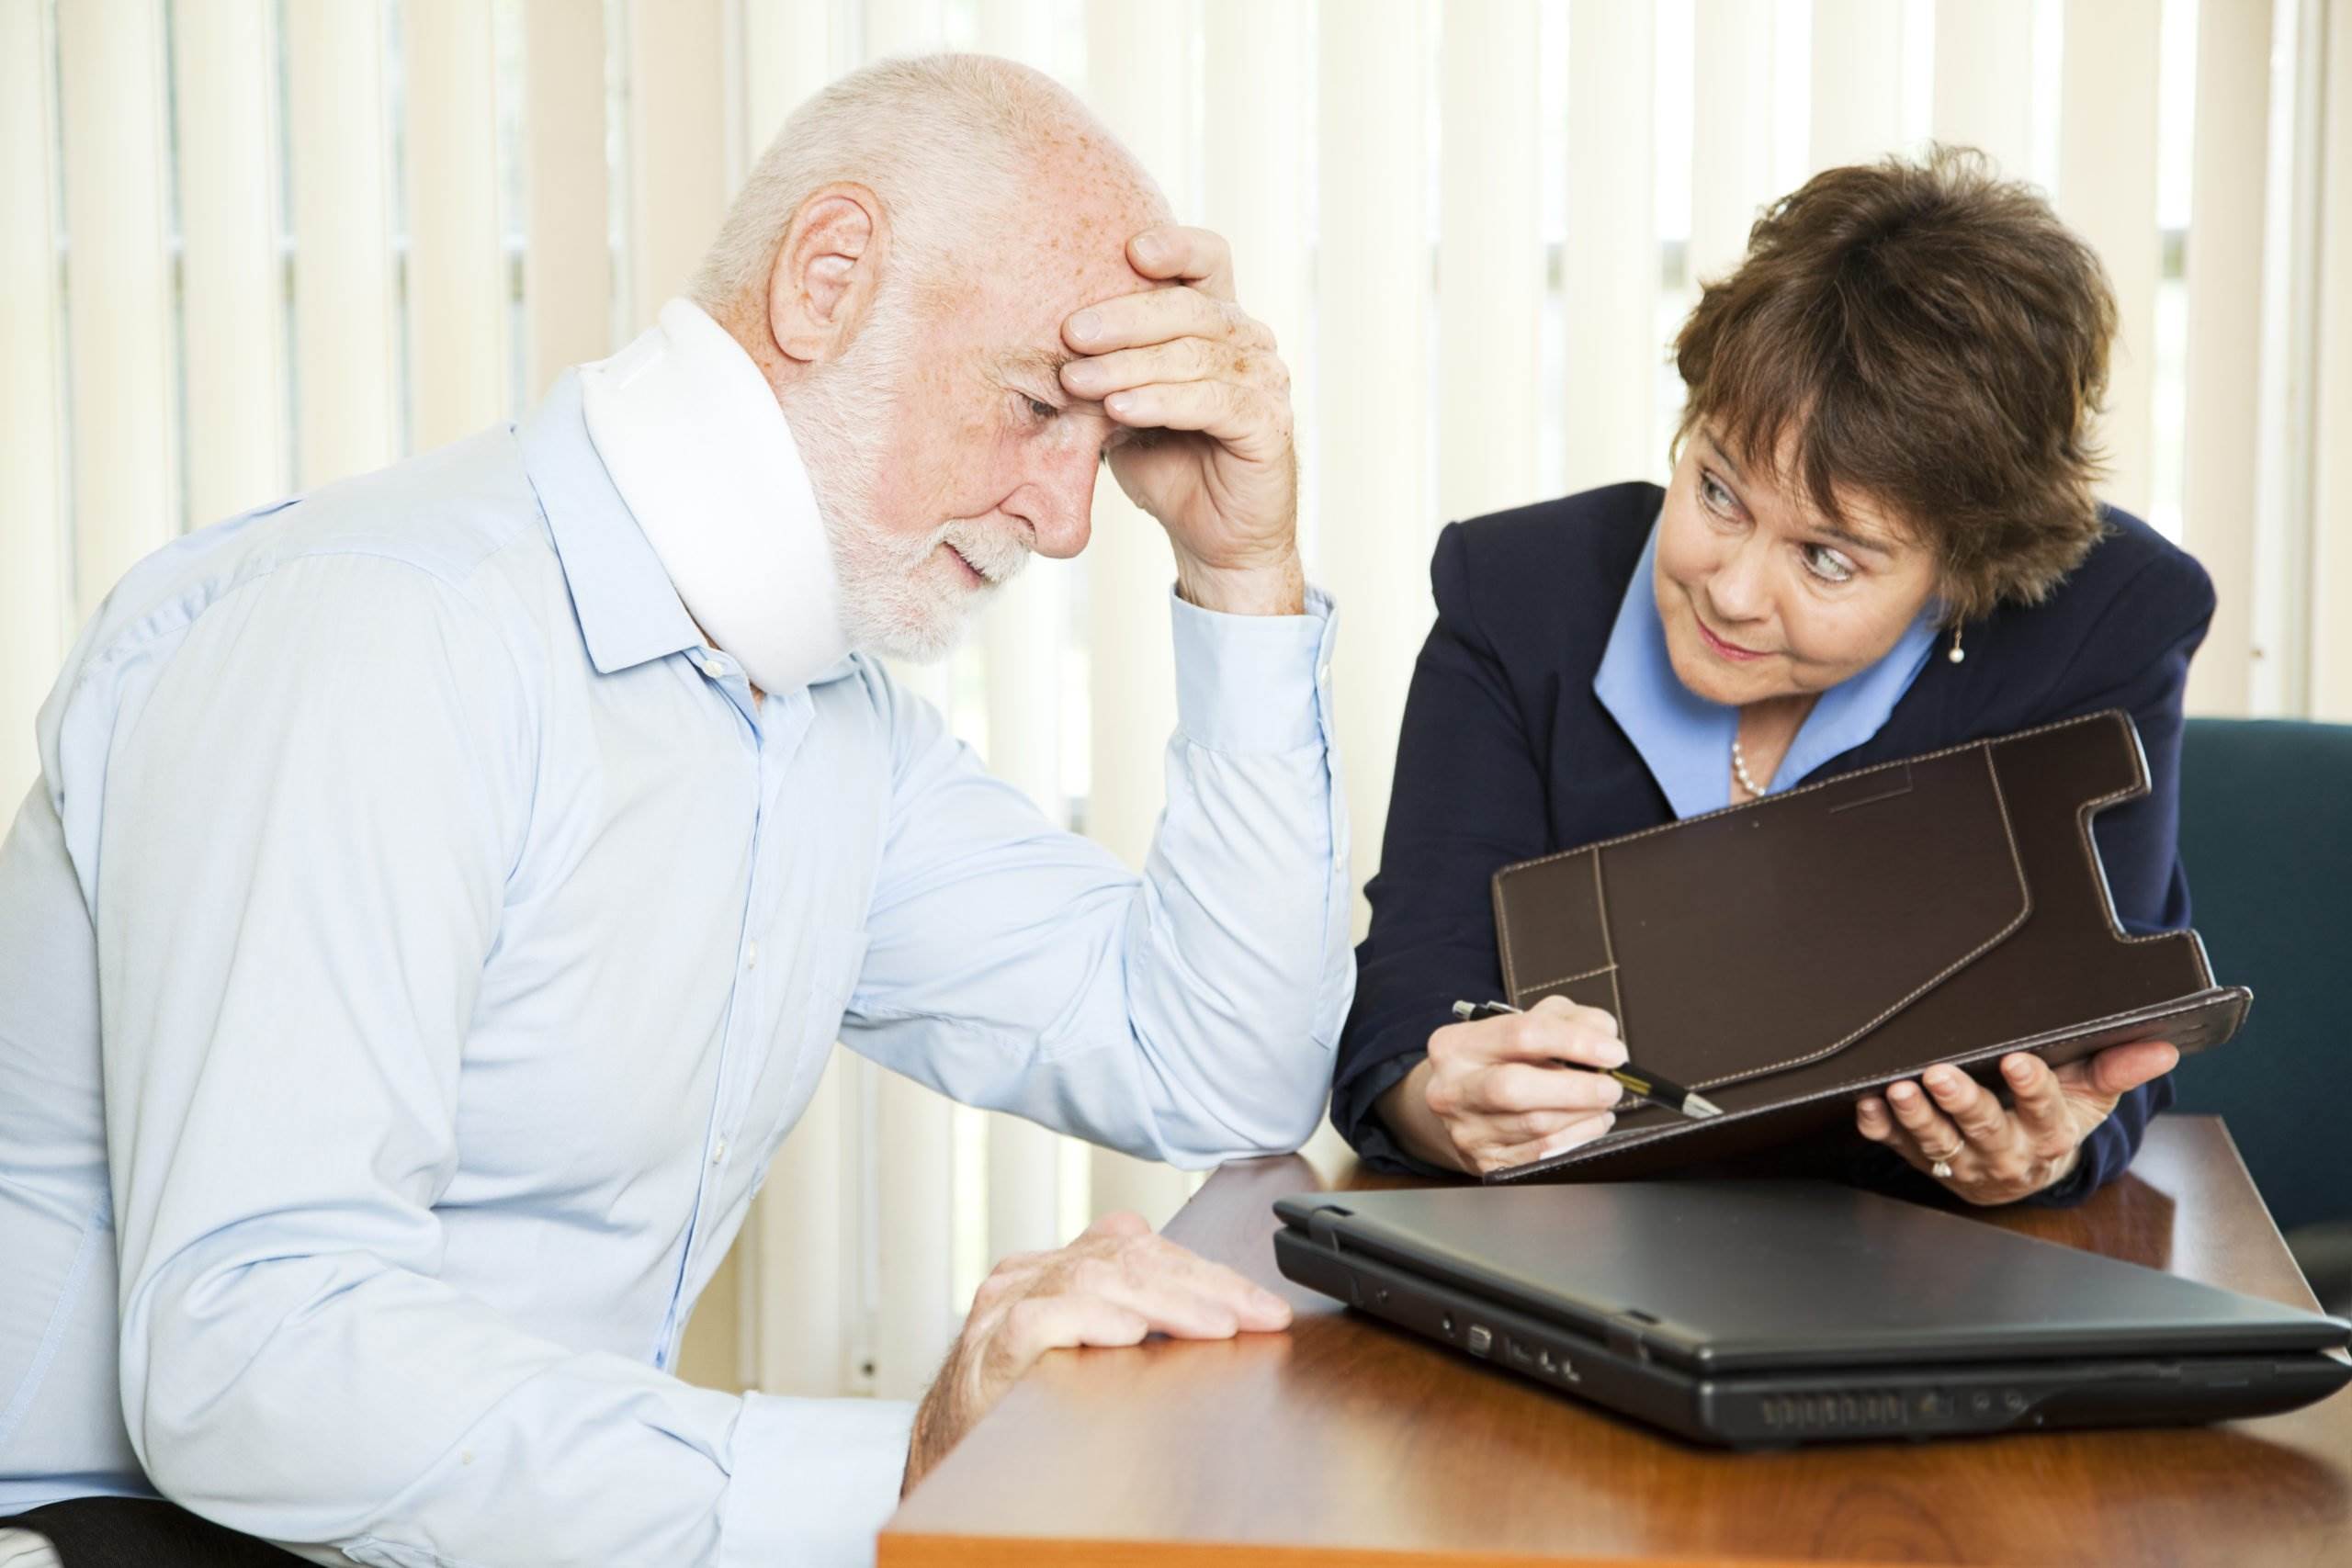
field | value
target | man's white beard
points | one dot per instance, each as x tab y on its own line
894	598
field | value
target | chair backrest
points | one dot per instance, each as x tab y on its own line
2265	834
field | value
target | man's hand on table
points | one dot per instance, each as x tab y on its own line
1112	1286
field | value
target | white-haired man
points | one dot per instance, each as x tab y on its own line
443	890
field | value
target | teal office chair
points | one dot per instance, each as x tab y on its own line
2265	834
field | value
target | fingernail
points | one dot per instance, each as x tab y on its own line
1902	1094
1575	1135
1086	324
2018	1068
1120	403
1150	247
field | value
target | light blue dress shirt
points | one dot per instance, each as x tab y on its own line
1685	740
417	943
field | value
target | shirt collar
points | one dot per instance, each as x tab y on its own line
691	436
1685	740
628	611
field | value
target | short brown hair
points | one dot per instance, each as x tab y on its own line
1934	339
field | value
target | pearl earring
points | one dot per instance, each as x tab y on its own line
1956	656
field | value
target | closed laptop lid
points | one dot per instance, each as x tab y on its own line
1755	1275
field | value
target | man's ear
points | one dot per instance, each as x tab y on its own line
826	272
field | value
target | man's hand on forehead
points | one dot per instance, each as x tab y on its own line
1181	357
1173	253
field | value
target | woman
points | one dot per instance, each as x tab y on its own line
1878	540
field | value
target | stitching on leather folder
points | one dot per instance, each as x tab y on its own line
2139	786
1572	979
1984	744
1608	951
1636	1137
2016	863
2008	834
1608	945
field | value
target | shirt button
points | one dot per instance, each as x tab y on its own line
719	1152
1323	674
751	956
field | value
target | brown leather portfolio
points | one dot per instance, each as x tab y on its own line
1786	956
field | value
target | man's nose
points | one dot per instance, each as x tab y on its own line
1059	506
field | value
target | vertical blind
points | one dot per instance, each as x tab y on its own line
248	246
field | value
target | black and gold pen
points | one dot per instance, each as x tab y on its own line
1640	1080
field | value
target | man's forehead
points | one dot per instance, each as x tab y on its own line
1064	247
1083	202
1074	258
1034	302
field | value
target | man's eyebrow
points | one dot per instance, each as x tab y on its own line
1046	364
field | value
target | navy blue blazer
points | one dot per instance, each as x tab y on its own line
1507	754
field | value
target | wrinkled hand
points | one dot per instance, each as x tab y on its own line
1112	1286
1193	371
1512	1090
1999	1153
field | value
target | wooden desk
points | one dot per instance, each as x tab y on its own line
1346	1441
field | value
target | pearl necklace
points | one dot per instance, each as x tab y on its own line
1739	767
1739	758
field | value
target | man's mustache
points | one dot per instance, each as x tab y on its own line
997	554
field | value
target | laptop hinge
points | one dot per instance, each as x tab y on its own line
1321	1227
1625	1332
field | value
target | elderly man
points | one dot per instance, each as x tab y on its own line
443	890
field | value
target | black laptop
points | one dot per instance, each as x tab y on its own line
1761	1313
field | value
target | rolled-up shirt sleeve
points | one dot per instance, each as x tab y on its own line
309	811
1187	1014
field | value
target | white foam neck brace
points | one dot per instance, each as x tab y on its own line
694	441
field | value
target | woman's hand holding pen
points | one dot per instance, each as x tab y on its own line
1502	1091
1961	1134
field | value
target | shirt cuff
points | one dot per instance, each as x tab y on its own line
1253	682
812	1481
1370	1135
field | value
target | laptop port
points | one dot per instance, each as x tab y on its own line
1481	1340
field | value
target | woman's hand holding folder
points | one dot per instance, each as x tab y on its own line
1959	1132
